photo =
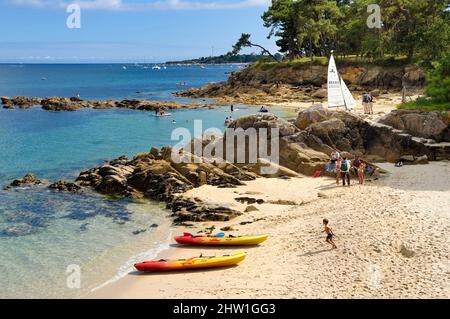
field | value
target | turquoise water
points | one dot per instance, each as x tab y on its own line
42	232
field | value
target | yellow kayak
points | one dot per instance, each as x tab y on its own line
193	263
189	239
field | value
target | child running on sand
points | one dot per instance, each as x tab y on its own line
329	231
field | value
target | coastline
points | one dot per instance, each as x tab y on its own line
393	242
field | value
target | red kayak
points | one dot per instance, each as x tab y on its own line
189	239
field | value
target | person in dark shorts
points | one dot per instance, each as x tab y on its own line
345	171
330	235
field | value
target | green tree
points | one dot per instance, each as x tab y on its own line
281	18
244	41
438	80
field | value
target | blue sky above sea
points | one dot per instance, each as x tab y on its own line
35	31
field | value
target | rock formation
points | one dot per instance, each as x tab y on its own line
431	125
60	104
28	180
257	84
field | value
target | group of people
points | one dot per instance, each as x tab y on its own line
368	103
342	167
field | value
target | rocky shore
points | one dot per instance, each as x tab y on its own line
73	104
305	145
307	83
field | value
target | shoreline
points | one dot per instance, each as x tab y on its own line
396	232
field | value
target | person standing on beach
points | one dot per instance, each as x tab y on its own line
365	102
361	172
232	108
337	170
329	231
345	171
370	104
355	165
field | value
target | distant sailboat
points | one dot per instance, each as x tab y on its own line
338	92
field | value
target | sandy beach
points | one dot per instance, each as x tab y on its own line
392	236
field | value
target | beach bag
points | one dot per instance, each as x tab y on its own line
317	174
344	166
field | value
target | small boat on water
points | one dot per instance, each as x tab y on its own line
192	263
156	67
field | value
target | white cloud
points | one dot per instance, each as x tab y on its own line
121	5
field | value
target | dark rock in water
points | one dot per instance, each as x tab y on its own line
64	186
18	230
59	104
139	231
84	227
27	180
154	226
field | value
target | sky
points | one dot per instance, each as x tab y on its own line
127	30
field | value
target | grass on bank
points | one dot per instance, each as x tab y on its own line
425	105
267	64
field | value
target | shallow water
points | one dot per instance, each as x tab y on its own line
43	232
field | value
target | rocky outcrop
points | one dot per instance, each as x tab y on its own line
27	180
325	131
431	125
155	176
64	186
257	84
61	104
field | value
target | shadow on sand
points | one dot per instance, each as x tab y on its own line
200	248
178	272
317	252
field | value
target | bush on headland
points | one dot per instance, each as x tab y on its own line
437	89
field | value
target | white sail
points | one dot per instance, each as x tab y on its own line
350	102
335	95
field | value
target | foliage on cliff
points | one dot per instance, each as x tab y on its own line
416	29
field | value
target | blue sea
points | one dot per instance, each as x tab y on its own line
43	233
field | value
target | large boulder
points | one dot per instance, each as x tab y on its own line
7	102
413	77
267	121
315	113
426	124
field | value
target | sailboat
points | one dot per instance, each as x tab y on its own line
338	92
